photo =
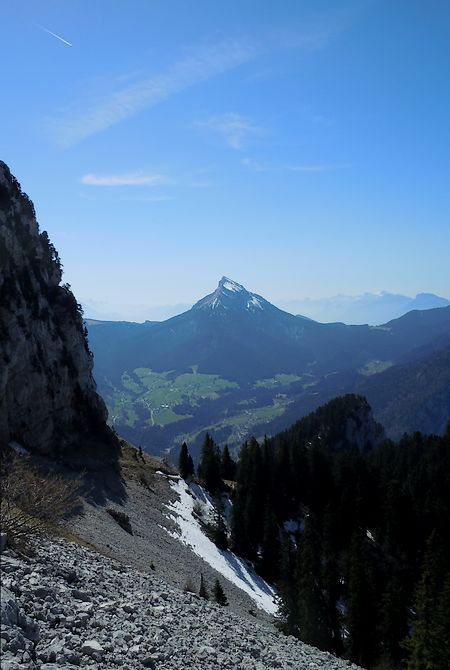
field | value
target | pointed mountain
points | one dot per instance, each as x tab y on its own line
241	336
231	296
237	365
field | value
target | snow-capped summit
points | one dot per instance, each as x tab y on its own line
231	296
230	285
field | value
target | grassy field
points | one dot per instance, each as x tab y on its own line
152	397
146	400
284	381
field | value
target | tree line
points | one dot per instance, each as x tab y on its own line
356	541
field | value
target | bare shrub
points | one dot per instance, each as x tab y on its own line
32	501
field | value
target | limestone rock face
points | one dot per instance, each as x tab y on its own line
48	398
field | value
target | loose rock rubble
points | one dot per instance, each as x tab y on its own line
69	607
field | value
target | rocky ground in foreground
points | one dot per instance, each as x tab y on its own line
69	607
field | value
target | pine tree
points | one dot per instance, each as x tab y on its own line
248	501
331	582
361	605
185	463
219	528
219	594
312	620
287	589
270	547
441	628
209	466
393	622
203	591
227	465
421	646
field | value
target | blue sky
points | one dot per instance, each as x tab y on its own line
301	148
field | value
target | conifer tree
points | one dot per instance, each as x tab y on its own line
361	605
393	622
219	594
330	581
288	588
219	528
227	465
249	501
441	628
203	591
421	647
209	466
270	547
185	463
312	620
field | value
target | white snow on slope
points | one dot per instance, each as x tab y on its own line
233	286
254	302
226	563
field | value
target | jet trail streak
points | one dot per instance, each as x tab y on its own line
57	36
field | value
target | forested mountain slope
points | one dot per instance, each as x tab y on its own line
353	531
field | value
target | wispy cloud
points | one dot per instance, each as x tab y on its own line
310	168
58	37
131	179
234	128
74	124
256	166
161	197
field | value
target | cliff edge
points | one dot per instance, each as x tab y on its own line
48	398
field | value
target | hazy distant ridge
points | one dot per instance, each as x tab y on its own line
371	308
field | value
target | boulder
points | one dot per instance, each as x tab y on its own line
9	610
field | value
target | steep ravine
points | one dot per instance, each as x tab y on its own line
48	398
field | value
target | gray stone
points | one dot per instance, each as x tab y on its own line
129	609
9	610
3	542
81	595
92	648
30	628
43	592
73	658
16	644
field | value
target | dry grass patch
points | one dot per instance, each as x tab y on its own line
137	464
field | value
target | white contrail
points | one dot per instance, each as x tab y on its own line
57	36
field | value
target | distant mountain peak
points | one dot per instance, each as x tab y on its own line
231	296
230	285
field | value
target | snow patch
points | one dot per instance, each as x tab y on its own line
254	302
225	562
232	286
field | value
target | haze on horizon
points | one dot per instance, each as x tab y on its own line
299	149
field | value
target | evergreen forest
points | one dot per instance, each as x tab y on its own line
355	536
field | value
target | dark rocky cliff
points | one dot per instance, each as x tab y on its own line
48	398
